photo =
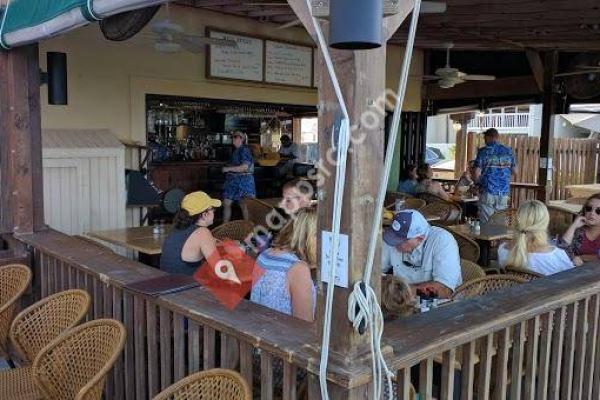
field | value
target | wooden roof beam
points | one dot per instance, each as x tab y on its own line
537	67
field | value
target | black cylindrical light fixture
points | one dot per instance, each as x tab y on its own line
355	24
57	78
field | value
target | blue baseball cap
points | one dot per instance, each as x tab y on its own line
407	224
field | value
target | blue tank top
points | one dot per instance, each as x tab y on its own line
272	290
170	259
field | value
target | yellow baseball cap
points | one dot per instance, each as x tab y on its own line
197	202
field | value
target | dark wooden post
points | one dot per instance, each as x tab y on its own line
21	193
362	80
547	135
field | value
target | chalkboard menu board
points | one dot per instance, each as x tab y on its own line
243	62
288	64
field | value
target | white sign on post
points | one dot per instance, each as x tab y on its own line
341	268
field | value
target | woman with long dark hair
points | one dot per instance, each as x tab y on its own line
190	241
582	239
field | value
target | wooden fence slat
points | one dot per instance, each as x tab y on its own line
531	364
545	353
209	347
468	371
558	337
129	346
426	379
179	346
517	360
194	347
592	368
485	366
266	376
580	348
403	384
569	353
501	380
166	353
152	346
448	360
289	381
246	362
229	352
139	320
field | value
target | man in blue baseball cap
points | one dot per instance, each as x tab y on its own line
425	256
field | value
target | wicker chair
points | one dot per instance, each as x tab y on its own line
504	218
524	274
559	221
449	213
470	271
467	247
213	384
14	280
234	230
429	197
257	211
73	366
481	286
44	321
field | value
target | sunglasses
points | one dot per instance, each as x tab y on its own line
590	209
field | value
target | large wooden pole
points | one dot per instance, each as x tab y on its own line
362	79
547	134
21	193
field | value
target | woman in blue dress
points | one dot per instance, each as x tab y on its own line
239	180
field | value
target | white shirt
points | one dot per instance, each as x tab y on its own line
547	263
435	259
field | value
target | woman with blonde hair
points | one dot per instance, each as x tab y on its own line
530	249
286	284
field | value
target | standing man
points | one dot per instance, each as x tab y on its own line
494	166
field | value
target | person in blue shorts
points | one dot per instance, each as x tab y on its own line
239	179
494	166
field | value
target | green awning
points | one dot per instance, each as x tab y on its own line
22	14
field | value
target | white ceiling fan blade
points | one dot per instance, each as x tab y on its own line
470	77
573	73
433	7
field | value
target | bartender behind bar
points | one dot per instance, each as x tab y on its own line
239	180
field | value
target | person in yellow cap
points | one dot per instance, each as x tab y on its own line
190	241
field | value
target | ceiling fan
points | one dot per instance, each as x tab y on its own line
449	77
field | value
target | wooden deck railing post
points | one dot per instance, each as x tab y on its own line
21	197
362	80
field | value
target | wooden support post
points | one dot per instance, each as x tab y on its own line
547	136
21	197
362	80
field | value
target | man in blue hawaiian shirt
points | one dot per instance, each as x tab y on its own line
494	166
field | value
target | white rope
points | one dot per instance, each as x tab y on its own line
369	312
4	45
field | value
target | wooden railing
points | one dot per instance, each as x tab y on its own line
171	336
534	341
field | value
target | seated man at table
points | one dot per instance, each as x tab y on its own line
425	256
190	241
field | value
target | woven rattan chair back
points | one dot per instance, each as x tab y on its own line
559	221
504	218
448	213
213	384
467	247
470	271
44	321
14	280
234	230
523	274
257	211
75	365
481	286
429	197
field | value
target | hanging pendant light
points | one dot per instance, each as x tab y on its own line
355	24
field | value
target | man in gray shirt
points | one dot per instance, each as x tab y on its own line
424	256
